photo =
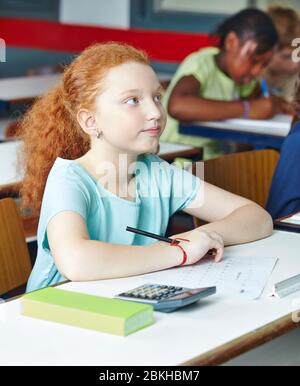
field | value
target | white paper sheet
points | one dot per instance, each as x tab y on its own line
242	277
295	219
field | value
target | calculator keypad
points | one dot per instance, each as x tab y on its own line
166	298
153	292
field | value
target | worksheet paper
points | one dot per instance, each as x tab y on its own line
242	277
295	219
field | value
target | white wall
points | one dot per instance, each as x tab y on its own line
106	13
211	6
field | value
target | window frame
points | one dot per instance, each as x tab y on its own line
144	15
30	9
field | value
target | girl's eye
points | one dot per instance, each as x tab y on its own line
157	98
132	101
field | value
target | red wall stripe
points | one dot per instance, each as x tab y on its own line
160	45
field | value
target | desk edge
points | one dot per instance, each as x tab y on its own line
244	343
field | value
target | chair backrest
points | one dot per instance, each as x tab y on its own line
248	174
15	263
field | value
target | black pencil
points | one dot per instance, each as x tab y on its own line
152	235
158	237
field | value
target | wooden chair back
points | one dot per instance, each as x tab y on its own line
248	174
15	263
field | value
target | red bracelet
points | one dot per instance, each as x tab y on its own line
174	243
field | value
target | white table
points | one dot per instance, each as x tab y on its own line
4	122
190	335
258	132
279	125
8	162
26	87
9	154
168	147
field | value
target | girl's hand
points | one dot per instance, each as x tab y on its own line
200	243
282	106
265	108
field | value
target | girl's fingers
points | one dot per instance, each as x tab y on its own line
219	251
219	255
217	237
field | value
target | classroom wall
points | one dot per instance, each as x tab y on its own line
109	13
106	13
123	14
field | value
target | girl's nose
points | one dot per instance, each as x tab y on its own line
154	111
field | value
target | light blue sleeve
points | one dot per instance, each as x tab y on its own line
177	184
185	187
64	192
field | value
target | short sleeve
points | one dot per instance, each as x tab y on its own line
176	185
184	188
195	65
62	193
247	89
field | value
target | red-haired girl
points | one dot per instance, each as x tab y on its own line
91	170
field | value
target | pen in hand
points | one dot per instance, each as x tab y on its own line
158	237
264	88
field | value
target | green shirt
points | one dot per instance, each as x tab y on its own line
215	84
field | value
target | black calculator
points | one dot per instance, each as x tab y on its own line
166	298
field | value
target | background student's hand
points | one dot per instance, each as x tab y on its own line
264	108
200	243
282	105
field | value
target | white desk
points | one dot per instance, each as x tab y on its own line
164	76
9	153
26	87
190	335
8	162
168	147
260	133
4	122
279	125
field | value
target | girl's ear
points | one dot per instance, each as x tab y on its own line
232	43
87	121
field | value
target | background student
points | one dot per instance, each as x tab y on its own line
284	197
281	72
220	83
91	170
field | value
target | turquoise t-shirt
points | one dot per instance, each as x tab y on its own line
161	190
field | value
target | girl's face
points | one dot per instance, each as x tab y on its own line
129	110
241	63
283	63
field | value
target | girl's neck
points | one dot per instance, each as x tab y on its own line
110	165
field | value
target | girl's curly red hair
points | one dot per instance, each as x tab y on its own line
50	128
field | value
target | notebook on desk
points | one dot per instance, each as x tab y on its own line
290	223
114	316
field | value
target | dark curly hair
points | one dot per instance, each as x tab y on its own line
250	23
296	102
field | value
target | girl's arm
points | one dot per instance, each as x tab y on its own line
236	219
185	105
80	259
